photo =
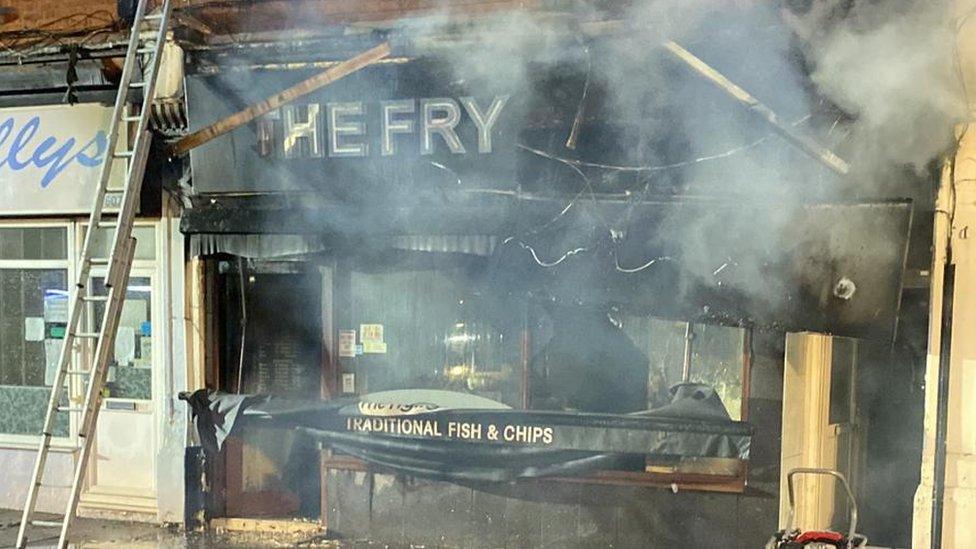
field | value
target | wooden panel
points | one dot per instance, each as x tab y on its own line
732	483
263	499
809	438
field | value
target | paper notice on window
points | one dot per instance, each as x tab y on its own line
125	345
145	352
374	347
370	333
347	343
34	328
56	308
348	383
134	313
52	352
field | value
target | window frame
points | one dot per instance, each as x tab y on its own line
154	268
677	480
746	362
19	441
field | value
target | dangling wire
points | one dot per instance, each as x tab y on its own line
240	363
538	260
659	259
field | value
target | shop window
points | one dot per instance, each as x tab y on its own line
33	315
432	329
440	328
606	361
424	329
716	355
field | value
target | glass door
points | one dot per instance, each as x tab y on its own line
121	471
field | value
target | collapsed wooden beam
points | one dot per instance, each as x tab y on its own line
238	119
803	142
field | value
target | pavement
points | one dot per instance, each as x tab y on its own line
89	533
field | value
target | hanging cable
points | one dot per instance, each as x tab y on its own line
663	167
538	260
240	362
582	163
616	264
27	42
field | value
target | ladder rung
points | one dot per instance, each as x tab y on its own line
70	408
137	84
47	523
122	154
108	224
98	260
86	335
135	118
115	191
146	50
77	372
152	17
95	298
39	483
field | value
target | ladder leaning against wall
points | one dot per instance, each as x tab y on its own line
146	41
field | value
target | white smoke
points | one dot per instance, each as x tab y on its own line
892	65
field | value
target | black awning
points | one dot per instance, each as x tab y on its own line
461	437
832	268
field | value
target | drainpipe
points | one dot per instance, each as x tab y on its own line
942	410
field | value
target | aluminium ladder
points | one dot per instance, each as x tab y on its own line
118	264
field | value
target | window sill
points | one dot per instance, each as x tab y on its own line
30	442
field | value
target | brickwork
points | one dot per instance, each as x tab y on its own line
58	15
379	10
308	14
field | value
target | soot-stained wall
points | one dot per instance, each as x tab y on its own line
402	511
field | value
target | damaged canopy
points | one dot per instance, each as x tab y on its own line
460	437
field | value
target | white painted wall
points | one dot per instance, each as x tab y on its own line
16	466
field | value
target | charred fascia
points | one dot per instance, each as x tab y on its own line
319	50
49	83
42	75
109	49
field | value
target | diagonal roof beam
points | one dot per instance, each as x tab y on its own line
805	143
305	87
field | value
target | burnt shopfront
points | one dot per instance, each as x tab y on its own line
497	312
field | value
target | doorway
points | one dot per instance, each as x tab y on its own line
270	319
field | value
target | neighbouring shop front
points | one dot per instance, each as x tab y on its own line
48	173
410	228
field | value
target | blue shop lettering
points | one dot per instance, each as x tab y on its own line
48	153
